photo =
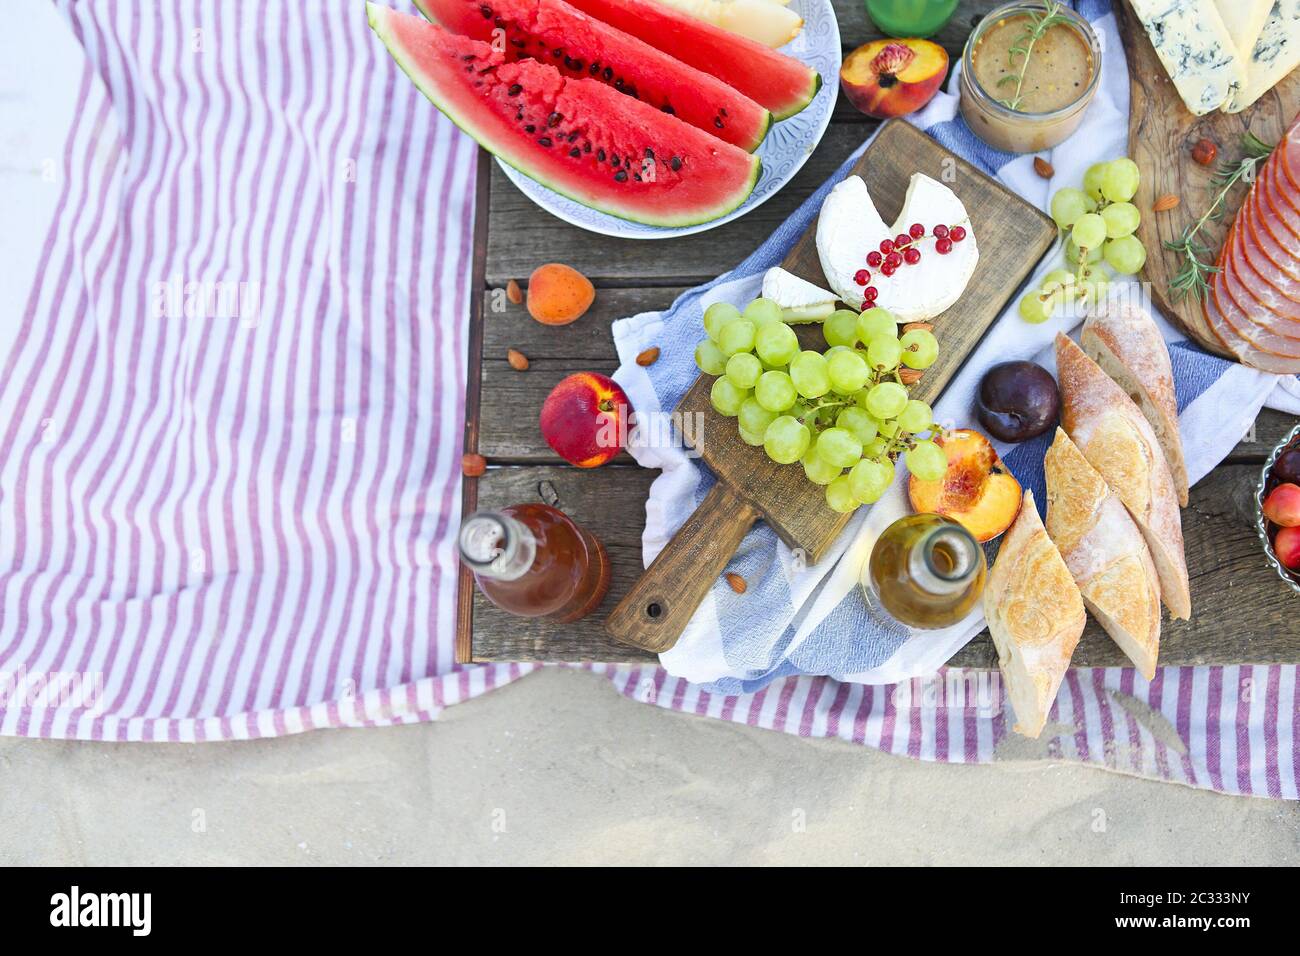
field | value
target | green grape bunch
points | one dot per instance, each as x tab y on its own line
844	415
1099	221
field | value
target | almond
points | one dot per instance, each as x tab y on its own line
1043	167
1166	202
518	360
909	376
648	357
926	326
736	581
472	465
513	292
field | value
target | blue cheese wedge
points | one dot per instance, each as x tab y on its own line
1244	20
1195	49
1276	53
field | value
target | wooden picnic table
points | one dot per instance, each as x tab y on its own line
1243	612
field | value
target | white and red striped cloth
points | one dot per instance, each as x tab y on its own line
245	523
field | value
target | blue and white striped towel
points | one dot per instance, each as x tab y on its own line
797	619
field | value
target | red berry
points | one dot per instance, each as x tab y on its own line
902	240
862	277
917	230
940	231
894	259
943	246
873	259
912	256
886	246
958	233
870	293
888	268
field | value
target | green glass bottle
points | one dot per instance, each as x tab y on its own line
910	18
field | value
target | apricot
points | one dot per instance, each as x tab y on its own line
558	294
977	490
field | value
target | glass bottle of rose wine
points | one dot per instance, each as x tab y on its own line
533	560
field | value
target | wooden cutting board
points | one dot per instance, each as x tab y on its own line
1012	236
1161	134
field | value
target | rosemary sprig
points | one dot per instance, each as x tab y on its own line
1194	277
1023	46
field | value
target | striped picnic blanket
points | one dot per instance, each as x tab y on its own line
233	376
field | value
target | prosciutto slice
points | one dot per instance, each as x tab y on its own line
1253	304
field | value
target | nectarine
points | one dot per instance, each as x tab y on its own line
977	490
585	419
1287	548
1282	506
887	78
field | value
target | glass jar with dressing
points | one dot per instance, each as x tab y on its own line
1024	105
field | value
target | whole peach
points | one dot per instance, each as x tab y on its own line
585	419
1282	506
1287	548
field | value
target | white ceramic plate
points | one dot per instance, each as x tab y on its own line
788	145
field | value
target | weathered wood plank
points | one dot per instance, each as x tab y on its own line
473	383
508	429
521	236
1243	613
609	502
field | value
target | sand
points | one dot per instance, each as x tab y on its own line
559	769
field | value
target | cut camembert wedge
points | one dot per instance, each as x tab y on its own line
799	299
849	228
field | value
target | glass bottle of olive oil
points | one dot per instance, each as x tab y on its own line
926	571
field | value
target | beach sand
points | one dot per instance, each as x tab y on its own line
557	768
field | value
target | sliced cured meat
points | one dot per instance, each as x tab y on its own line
1246	353
1259	322
1287	156
1235	308
1273	238
1280	210
1277	194
1266	283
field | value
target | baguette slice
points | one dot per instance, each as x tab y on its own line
1119	443
1105	553
1122	338
1035	616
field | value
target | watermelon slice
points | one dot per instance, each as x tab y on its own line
779	82
576	136
578	46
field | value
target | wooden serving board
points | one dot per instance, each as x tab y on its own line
1012	236
1161	134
